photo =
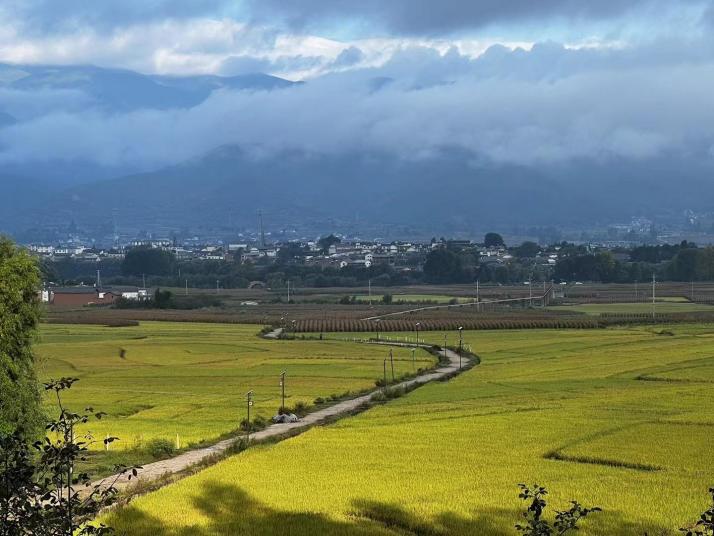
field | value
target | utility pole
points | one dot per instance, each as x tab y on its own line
416	329
461	344
282	389
478	297
637	293
654	283
530	291
217	285
413	359
99	280
288	291
186	291
249	401
143	280
391	361
691	292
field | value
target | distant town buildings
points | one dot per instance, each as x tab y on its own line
82	295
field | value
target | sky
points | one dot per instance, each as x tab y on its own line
503	81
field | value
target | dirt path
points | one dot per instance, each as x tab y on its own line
153	471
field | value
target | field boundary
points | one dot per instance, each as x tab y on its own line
543	298
161	471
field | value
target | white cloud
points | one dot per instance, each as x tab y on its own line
209	46
559	105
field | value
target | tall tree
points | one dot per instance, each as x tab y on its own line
493	240
19	315
443	266
150	261
326	241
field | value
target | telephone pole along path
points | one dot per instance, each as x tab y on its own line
156	470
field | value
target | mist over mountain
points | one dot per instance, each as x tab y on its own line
434	139
37	97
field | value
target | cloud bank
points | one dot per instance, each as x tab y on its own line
427	17
546	106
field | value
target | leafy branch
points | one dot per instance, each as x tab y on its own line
40	491
535	525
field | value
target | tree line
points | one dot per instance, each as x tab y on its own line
449	262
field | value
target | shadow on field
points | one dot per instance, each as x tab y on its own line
228	510
492	522
223	510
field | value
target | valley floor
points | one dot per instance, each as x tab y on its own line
618	418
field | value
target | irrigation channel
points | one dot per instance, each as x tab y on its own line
154	471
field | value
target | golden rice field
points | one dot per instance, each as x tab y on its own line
190	379
621	418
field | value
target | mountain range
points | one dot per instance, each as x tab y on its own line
227	185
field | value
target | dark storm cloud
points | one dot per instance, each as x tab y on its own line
399	16
50	16
433	17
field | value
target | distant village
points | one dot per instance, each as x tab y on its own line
337	255
76	268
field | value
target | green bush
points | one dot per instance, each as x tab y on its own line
20	409
300	409
379	396
160	448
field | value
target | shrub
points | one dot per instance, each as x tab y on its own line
300	409
379	396
535	525
705	525
259	423
50	476
237	447
160	448
394	392
19	314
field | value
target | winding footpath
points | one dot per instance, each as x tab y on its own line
153	471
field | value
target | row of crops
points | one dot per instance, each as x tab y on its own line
362	326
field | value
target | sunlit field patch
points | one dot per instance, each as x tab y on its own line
568	409
160	380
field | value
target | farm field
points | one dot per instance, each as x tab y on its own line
665	306
620	418
415	298
191	379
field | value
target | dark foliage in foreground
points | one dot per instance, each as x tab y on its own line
535	525
40	493
705	524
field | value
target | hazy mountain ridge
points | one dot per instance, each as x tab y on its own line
448	187
230	184
120	90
